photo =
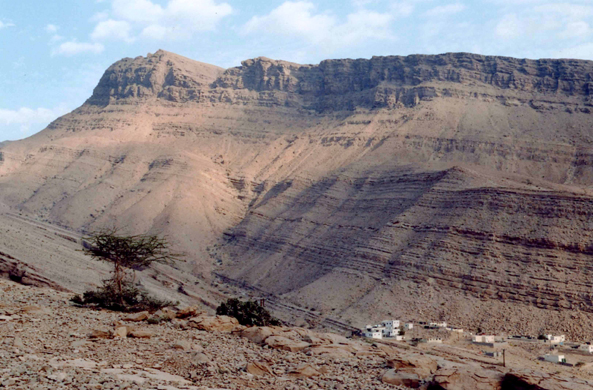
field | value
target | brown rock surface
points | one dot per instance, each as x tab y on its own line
464	378
304	371
258	369
285	344
394	377
423	366
214	323
257	334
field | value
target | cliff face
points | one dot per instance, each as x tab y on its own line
452	186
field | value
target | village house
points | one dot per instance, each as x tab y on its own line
374	332
408	326
586	348
388	328
391	328
435	325
556	339
483	339
555	358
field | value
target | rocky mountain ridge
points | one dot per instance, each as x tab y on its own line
448	186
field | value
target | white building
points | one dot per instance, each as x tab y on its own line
586	348
436	340
483	339
408	325
391	327
555	358
556	339
374	331
458	330
385	329
438	324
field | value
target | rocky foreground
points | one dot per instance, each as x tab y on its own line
47	343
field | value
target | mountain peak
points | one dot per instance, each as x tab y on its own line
158	74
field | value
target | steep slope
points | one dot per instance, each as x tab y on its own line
457	184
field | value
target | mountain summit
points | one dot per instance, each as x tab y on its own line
452	186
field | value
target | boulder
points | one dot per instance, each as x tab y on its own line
304	371
99	334
137	317
190	311
18	343
337	351
183	345
313	339
121	332
258	369
140	334
214	323
257	334
465	378
334	338
285	344
407	379
423	366
199	358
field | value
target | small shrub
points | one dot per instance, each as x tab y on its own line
247	313
580	364
542	337
132	299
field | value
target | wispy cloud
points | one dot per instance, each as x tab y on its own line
27	117
445	10
6	24
119	30
72	48
128	20
301	20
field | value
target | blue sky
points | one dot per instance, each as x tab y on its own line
54	52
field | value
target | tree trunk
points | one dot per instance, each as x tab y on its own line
118	276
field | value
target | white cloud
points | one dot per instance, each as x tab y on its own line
177	19
578	29
112	29
137	10
402	8
294	18
155	31
299	20
99	16
445	10
26	117
509	27
52	28
5	24
72	47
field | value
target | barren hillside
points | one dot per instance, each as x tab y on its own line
452	186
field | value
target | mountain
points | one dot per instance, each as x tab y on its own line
454	186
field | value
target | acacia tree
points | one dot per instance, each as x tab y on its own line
126	253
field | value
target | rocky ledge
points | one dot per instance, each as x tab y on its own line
47	343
